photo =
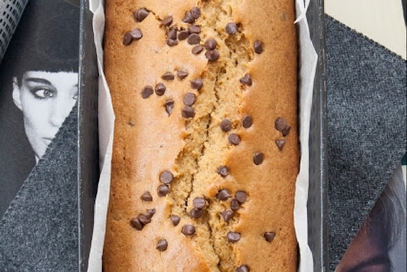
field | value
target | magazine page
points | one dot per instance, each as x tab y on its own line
39	78
38	88
380	244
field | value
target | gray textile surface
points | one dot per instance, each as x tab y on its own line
39	231
366	128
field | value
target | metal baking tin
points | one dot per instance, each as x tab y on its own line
317	205
88	144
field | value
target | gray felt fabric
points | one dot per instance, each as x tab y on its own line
366	128
39	231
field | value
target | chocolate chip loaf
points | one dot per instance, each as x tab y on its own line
206	151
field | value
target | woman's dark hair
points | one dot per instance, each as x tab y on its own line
386	219
46	39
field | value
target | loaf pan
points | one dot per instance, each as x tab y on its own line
317	201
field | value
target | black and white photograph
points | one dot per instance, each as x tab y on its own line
38	89
380	244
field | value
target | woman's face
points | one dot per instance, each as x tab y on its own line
45	98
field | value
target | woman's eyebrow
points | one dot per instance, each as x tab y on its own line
38	80
375	260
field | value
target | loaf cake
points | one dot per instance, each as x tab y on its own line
205	152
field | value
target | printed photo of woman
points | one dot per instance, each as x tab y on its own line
45	98
380	245
38	88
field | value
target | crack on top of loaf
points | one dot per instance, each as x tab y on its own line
239	46
214	69
216	74
156	16
219	11
192	179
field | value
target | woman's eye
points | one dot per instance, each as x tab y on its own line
44	93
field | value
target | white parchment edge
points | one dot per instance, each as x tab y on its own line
308	63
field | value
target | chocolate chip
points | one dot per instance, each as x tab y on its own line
183	34
166	177
189	99
188	230
247	121
286	131
169	106
258	46
197	49
162	245
234	205
223	171
234	139
135	223
167	21
194	29
188	112
240	196
210	44
175	219
243	268
140	14
226	215
127	39
233	237
246	80
223	195
280	124
199	202
225	125
258	158
171	42
195	213
212	55
136	34
144	219
172	33
194	38
197	84
231	28
146	197
147	91
188	18
269	236
163	190
196	12
130	36
167	76
150	212
280	144
160	89
182	74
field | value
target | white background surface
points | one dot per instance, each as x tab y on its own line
380	20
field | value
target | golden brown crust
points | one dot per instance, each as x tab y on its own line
148	141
